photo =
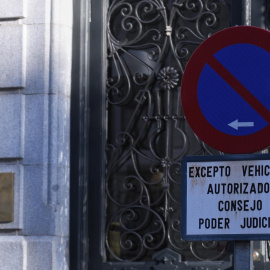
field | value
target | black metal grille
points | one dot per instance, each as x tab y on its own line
149	44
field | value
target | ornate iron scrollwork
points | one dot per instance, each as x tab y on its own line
267	15
166	260
149	44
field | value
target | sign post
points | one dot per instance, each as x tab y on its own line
243	259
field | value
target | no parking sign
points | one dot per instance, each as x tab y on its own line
226	90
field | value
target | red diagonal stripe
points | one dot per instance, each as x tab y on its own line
239	88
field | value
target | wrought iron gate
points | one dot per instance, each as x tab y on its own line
137	59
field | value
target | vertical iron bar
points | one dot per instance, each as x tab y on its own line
169	125
246	11
79	146
168	147
96	133
259	13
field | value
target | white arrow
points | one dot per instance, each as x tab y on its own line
235	124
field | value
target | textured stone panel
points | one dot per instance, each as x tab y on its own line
36	129
12	9
38	12
38	216
61	60
47	253
38	59
12	253
62	12
12	68
33	253
39	253
62	189
11	125
63	127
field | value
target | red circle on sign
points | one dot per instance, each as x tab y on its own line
189	91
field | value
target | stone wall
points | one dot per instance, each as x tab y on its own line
35	78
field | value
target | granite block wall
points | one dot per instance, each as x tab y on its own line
35	81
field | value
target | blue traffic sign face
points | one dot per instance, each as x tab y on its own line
226	90
247	63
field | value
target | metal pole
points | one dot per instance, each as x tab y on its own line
243	259
246	12
243	250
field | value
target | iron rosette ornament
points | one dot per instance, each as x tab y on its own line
168	78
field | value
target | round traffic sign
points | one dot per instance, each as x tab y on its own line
226	90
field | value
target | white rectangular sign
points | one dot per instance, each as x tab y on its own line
226	198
